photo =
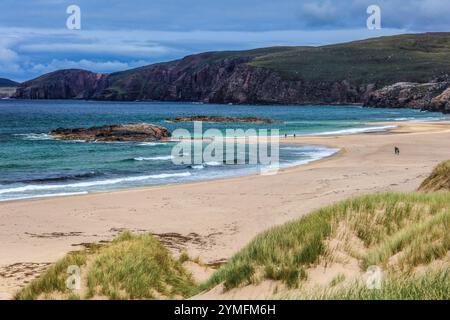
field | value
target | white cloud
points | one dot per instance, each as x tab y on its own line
95	48
97	66
28	52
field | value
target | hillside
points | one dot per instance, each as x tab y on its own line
342	73
7	83
7	88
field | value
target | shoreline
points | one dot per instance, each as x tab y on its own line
372	128
230	178
213	219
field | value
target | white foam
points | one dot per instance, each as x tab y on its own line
153	158
321	153
35	136
34	187
213	163
426	119
354	130
198	167
46	196
151	144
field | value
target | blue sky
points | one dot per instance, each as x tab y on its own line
117	35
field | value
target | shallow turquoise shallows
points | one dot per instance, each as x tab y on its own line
32	164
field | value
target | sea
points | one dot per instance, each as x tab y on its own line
35	165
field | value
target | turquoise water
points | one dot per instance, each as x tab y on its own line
33	164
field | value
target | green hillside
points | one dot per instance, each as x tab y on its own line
383	60
415	57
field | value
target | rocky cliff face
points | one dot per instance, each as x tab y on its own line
433	96
230	80
63	84
193	78
392	71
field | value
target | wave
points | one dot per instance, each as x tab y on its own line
354	130
213	163
158	158
47	195
34	136
197	167
151	144
80	176
413	119
318	154
34	187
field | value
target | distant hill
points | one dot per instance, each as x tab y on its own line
7	83
340	74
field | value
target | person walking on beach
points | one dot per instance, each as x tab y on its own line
397	151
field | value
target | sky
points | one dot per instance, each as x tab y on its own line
119	35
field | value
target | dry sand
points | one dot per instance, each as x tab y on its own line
214	219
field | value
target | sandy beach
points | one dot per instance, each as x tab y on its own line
214	219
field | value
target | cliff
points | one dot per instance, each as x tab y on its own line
62	84
346	73
433	96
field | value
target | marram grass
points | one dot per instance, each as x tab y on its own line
415	227
438	180
398	232
130	267
433	285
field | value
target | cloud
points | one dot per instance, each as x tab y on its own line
31	52
117	34
96	48
98	66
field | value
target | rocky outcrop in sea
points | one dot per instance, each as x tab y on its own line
139	132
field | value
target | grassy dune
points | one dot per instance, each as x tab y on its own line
397	232
130	267
439	179
433	285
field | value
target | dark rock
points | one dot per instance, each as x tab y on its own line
63	84
432	96
223	119
141	132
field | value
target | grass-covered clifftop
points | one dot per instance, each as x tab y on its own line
340	73
384	60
